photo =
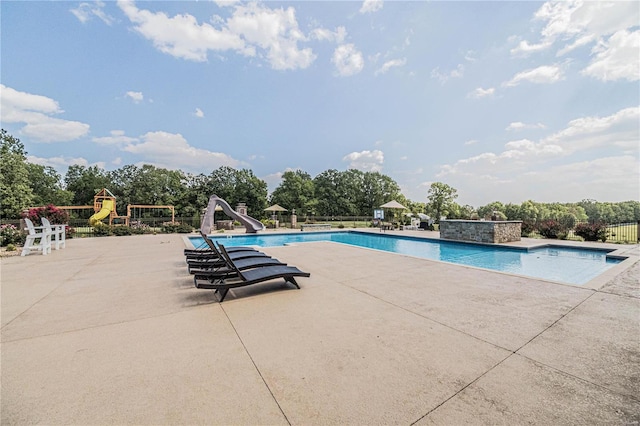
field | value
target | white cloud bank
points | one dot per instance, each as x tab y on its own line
37	113
253	30
545	74
567	165
611	26
168	150
367	161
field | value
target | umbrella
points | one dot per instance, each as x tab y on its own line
393	204
275	208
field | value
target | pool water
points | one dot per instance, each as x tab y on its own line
556	263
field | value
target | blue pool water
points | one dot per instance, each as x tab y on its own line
564	264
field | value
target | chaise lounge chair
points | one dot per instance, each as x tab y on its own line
216	260
225	270
249	277
205	249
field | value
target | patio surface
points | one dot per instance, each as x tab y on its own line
112	331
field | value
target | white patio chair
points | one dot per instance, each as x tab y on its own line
57	233
38	238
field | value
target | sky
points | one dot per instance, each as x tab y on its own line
503	101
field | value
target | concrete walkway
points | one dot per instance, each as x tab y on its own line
112	331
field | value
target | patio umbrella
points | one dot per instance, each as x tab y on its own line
275	209
393	204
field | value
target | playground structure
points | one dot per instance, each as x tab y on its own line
104	205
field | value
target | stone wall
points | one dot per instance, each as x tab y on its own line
481	231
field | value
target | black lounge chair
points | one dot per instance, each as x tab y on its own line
216	262
208	249
250	276
226	270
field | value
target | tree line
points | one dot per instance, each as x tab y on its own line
331	193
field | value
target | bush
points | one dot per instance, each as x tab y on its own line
101	230
551	228
139	228
592	231
9	234
528	227
55	215
180	228
121	230
11	247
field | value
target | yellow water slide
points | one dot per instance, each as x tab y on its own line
107	207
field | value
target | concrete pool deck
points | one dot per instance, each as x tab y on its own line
112	331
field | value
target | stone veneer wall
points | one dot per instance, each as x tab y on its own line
481	231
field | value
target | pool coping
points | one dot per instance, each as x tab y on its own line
628	253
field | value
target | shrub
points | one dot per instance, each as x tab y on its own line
176	227
55	215
11	247
528	226
592	231
138	228
551	228
9	234
101	230
121	230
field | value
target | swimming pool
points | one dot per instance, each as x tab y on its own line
556	263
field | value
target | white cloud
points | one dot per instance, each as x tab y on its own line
323	34
136	97
198	113
36	111
117	137
616	130
525	48
390	64
558	167
518	125
181	36
61	164
172	151
458	72
274	30
368	161
348	60
610	25
617	58
369	6
252	30
471	142
481	93
86	11
542	75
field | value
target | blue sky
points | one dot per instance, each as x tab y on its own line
504	101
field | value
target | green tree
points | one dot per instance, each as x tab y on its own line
376	189
439	200
46	185
296	191
85	182
252	191
15	188
487	211
327	186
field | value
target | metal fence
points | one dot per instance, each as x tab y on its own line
616	233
